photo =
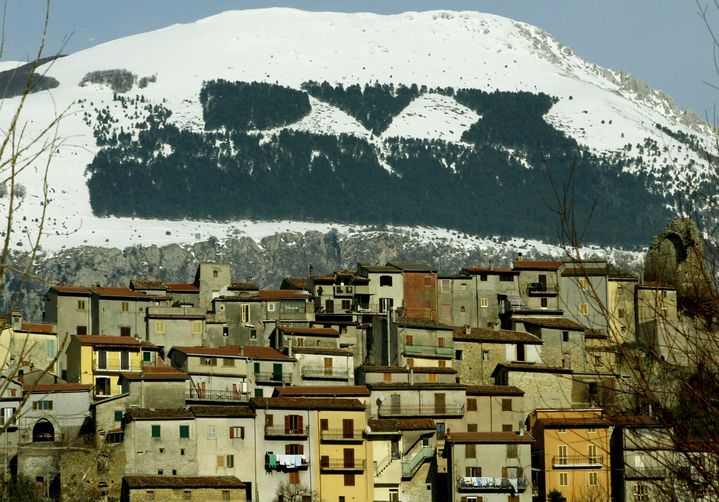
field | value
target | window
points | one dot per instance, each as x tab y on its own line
211	431
215	273
563	478
118	415
324	424
566	360
81	305
462	308
7	414
385	280
160	472
409	340
432	378
125	306
346	304
620	313
226	361
124	360
562	454
427	282
463	286
641	493
259	392
225	494
473	472
471	404
162	450
472	427
470	451
156	431
196	327
583	284
565	336
147	356
174	472
42	405
150	495
349	479
543	303
445	285
102	359
593	388
102	386
506	427
593	478
505	277
393	495
458	355
506	405
159	326
592	454
187	495
562	430
294	477
184	431
244	313
597	360
583	309
81	330
512	451
182	451
220	461
230	461
592	430
125	331
237	432
485	355
208	361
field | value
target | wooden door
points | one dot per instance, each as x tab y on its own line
440	342
347	428
277	372
440	406
349	457
328	366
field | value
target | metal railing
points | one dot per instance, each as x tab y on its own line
489	484
578	460
280	430
322	372
411	466
342	465
217	395
272	377
423	410
341	435
428	350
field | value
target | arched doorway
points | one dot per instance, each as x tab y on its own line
43	431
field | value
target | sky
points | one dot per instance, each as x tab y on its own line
666	43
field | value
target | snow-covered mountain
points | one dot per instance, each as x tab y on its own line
603	110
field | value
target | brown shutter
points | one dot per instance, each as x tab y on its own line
504	472
232	433
410	340
324	424
287	424
300	449
288	449
347	427
300	425
349	457
269	420
324	461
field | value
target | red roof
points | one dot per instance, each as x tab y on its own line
156	373
283	294
48	388
323	390
537	265
489	271
309	331
184	287
72	289
552	323
38	328
121	292
126	341
248	351
488	437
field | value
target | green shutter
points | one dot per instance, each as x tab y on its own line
184	431
147	357
50	347
118	416
258	392
156	431
257	367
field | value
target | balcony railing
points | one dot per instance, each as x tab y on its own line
321	372
448	410
411	466
272	378
217	395
428	350
578	461
489	484
657	472
342	465
281	431
341	436
537	288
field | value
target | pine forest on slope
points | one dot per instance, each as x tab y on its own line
246	165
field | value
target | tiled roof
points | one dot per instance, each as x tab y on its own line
138	482
572	422
144	284
412	267
306	403
326	351
229	411
287	330
417	386
182	287
415	322
494	390
247	351
243	286
283	294
595	334
495	336
324	390
378	269
551	322
108	341
530	368
401	424
72	290
159	414
634	421
489	271
49	388
156	373
488	437
121	293
403	369
537	265
38	328
294	283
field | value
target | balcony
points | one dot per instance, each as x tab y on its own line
656	472
217	395
280	431
341	436
410	467
428	351
447	410
489	484
577	461
539	289
334	465
272	378
285	463
322	373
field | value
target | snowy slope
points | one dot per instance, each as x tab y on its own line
602	109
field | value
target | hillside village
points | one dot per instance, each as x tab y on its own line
388	382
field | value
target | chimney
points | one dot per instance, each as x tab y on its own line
520	431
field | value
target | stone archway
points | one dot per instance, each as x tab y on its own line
43	431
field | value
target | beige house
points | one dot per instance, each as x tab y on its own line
543	386
33	345
494	408
406	375
538	284
171	488
423	343
324	365
620	308
385	288
489	466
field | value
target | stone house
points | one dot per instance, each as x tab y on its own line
324	364
206	488
543	386
563	340
539	283
423	343
121	311
571	453
620	308
170	326
489	466
584	293
477	351
68	308
494	408
406	375
32	344
385	288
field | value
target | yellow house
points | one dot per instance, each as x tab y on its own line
99	360
31	344
572	453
